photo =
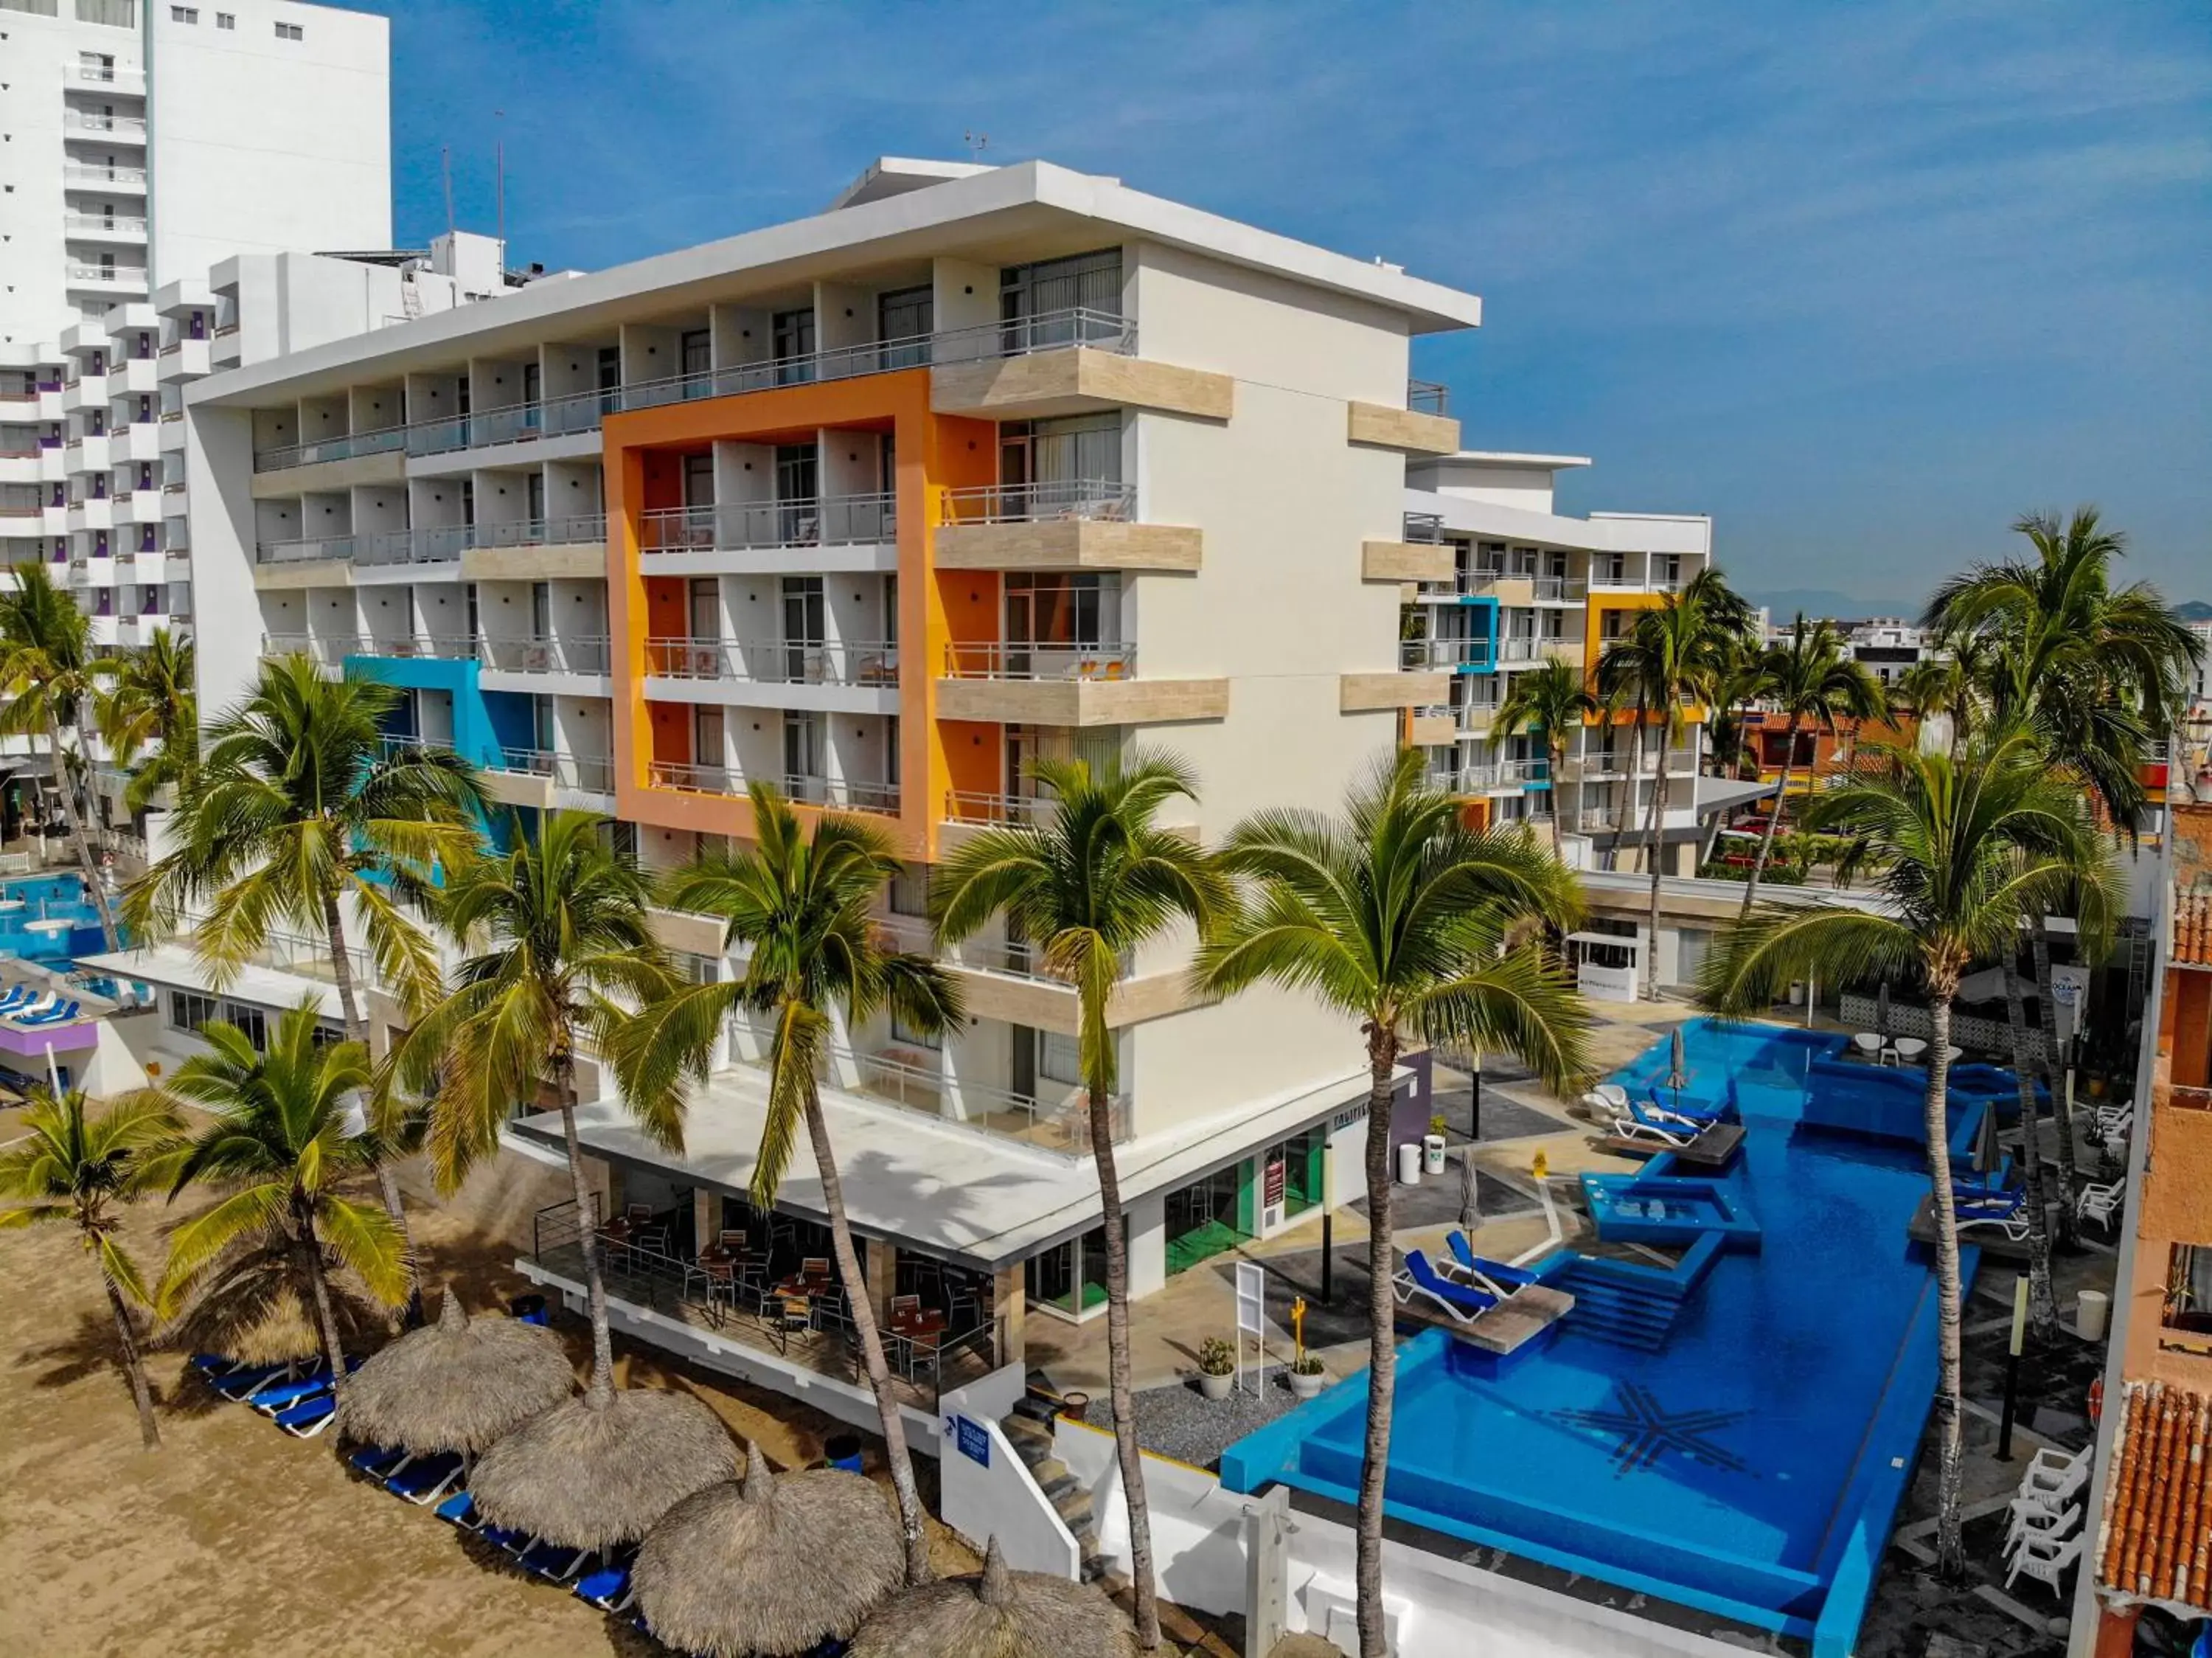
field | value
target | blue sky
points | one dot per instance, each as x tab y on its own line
1864	280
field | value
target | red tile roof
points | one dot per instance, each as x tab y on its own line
2156	1541
2192	925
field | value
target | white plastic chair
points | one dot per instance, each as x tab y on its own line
2044	1560
2114	1136
2032	1519
2054	1477
2098	1203
1613	1095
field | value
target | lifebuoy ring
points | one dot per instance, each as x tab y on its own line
2096	1401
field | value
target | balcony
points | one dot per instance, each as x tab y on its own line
351	446
107	278
1604	579
523	550
701	540
1061	363
328	649
105	77
109	180
1520	650
536	778
94	127
181	360
1467	656
872	665
841	794
1421	553
1070	684
100	227
1421	426
1072	524
582	654
690	778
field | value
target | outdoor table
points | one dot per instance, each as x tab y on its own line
914	1330
616	1235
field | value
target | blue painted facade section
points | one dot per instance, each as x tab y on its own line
475	739
1484	661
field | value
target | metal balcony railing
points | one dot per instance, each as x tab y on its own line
581	411
441	647
1443	652
791	662
1558	589
108	275
80	174
344	447
1423	528
549	654
694	779
836	520
1069	660
841	794
1105	500
962	805
92	224
592	773
1427	397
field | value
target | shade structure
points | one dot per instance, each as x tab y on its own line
599	1469
775	1565
457	1385
1001	1614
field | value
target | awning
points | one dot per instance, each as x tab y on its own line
1718	794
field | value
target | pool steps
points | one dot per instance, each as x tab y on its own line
1632	1305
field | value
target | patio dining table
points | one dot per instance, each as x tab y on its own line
914	1330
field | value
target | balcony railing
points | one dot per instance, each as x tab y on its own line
581	411
441	647
962	805
77	174
795	661
693	779
344	447
1069	660
128	126
1443	652
105	275
842	794
1423	528
554	653
836	520
1106	500
1427	397
592	773
1059	1121
89	224
1558	589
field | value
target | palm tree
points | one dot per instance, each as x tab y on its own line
297	810
1090	885
1809	678
556	931
1740	681
1971	847
282	1148
802	902
150	702
68	1167
1552	699
48	666
1668	664
1401	918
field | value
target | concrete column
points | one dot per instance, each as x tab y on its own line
1010	1311
882	1261
1148	1245
706	1216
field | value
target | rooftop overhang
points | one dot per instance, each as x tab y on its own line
174	967
1030	212
1599	532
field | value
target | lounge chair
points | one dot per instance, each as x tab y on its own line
2100	1203
425	1480
2012	1222
607	1588
379	1462
243	1382
1696	1115
1499	1278
460	1509
1642	1122
553	1563
1611	1095
17	997
310	1416
1461	1303
212	1366
24	1013
60	1014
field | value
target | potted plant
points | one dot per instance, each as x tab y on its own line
1306	1374
1216	1363
1432	1146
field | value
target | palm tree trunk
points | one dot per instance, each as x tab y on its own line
1119	1386
872	1344
356	1024
1635	771
2042	1304
2061	1103
74	819
1556	757
1658	868
587	1237
1773	820
1382	1342
309	1250
1950	1552
134	1367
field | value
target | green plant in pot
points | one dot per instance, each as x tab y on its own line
1217	1364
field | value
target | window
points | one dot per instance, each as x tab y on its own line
251	1023
224	20
696	347
792	334
189	1011
907	1036
290	32
909	890
184	14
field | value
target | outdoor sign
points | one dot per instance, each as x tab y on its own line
1277	1179
975	1439
1252	1321
2068	984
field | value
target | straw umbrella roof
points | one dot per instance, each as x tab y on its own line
456	1385
1002	1614
1306	1646
599	1468
772	1566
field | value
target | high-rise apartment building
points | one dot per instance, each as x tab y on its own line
880	506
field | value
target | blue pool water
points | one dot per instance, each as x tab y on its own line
1751	1465
30	904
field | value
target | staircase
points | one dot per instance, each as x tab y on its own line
1624	1315
1029	1430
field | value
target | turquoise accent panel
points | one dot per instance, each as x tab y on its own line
1486	660
475	739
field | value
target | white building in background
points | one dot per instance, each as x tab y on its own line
146	144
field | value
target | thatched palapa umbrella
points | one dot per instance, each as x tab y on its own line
599	1469
457	1385
775	1565
1001	1614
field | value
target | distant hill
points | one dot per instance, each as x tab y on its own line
2194	610
1783	603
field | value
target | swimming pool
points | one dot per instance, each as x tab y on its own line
48	919
1751	1466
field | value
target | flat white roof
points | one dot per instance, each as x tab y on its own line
1509	458
175	966
956	1192
1033	204
1599	532
894	175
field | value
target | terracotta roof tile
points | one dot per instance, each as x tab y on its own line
2192	925
2156	1540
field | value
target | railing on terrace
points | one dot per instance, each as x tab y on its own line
1423	528
1068	661
406	744
345	447
834	521
559	654
441	647
694	779
841	794
962	805
1558	589
1107	500
1427	397
1055	1122
98	225
323	647
77	174
592	773
442	541
1443	652
582	411
134	275
743	1303
791	661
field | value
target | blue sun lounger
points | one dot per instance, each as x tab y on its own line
1501	1276
1697	1115
17	997
460	1509
60	1012
553	1563
424	1480
606	1586
379	1462
243	1382
1461	1303
310	1416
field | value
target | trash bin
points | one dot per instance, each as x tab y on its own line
2091	1311
528	1309
1409	1163
842	1451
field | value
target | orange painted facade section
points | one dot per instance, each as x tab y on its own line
975	758
935	452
